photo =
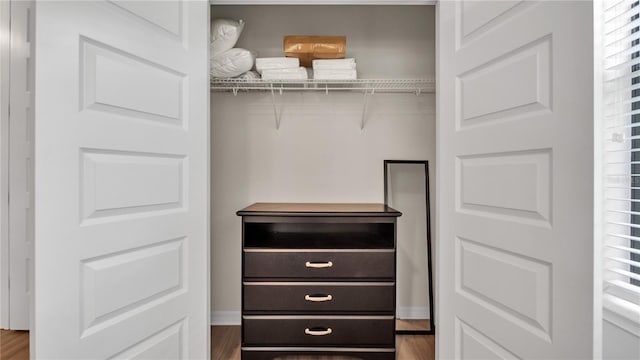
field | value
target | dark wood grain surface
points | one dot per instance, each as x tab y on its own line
319	208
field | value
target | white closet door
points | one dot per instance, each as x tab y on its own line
121	179
515	180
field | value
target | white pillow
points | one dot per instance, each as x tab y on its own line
224	35
231	63
249	76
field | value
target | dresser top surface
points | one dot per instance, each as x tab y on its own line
318	209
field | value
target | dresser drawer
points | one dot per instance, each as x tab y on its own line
319	297
319	331
318	353
275	264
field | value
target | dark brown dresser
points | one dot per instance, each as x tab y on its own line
318	279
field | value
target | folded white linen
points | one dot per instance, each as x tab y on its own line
348	64
299	73
335	74
269	63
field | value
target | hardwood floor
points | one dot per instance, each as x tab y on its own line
412	324
225	344
14	345
415	347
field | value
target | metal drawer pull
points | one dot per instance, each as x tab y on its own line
318	298
318	332
318	265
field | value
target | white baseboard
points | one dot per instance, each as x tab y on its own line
225	318
234	317
412	312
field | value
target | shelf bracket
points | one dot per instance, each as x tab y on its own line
276	114
365	105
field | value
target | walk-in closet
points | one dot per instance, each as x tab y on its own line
313	202
326	141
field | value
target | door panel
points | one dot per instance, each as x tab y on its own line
515	203
121	180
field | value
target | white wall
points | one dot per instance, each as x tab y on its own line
619	344
319	154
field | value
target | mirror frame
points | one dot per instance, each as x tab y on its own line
424	163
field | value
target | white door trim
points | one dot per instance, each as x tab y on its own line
598	178
20	155
5	7
15	151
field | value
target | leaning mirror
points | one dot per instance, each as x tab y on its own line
406	188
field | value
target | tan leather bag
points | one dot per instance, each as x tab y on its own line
307	48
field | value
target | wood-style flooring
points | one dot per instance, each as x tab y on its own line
14	345
225	345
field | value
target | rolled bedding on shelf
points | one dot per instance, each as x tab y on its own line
231	63
271	63
299	73
334	64
248	76
335	74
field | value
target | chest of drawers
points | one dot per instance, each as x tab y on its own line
318	279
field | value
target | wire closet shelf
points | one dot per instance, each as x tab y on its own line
371	86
